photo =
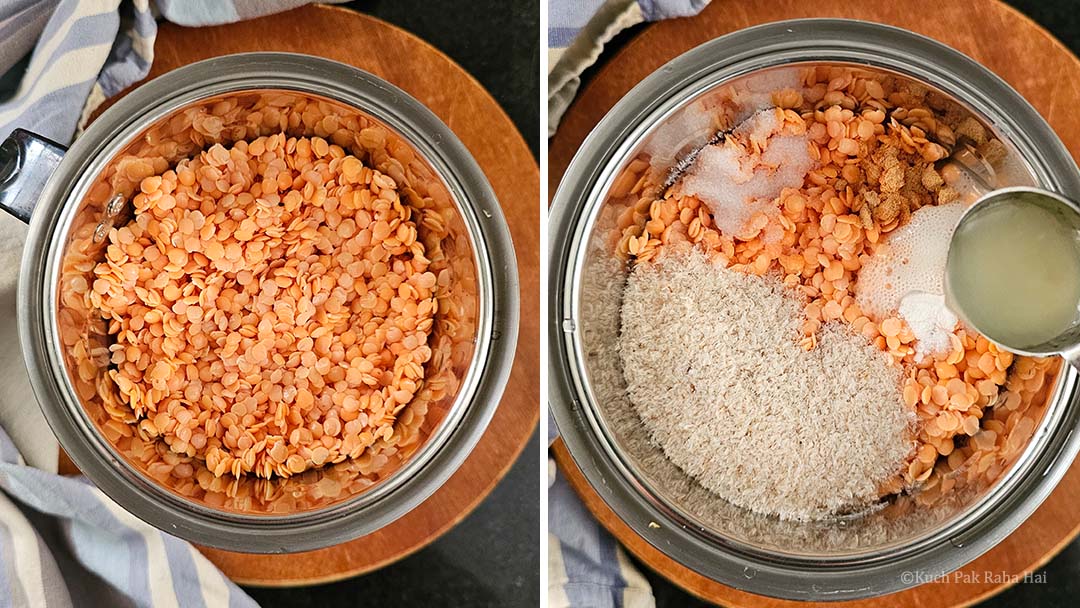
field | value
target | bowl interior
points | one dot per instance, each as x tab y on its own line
82	337
644	163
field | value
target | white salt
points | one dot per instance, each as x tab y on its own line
735	185
759	126
690	128
930	320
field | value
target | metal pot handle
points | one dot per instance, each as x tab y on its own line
26	162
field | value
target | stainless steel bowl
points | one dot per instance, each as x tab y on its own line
227	99
661	120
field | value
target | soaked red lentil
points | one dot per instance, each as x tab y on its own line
876	140
269	306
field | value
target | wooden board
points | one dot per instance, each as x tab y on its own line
997	36
463	104
1053	526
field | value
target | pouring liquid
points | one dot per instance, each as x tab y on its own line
1014	272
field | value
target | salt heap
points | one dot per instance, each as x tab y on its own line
906	275
735	184
930	320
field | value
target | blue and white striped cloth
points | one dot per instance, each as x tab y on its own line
578	31
586	566
63	543
85	51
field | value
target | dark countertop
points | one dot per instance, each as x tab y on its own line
492	558
497	41
1061	574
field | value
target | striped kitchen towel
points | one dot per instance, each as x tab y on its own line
63	543
586	566
85	51
578	31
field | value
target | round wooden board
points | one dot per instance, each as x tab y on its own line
463	104
995	35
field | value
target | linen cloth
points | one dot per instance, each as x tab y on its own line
578	31
62	541
586	566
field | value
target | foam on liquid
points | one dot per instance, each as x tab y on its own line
911	260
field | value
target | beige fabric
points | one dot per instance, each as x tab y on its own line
638	591
20	415
566	65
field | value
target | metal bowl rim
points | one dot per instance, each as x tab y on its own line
497	283
589	174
